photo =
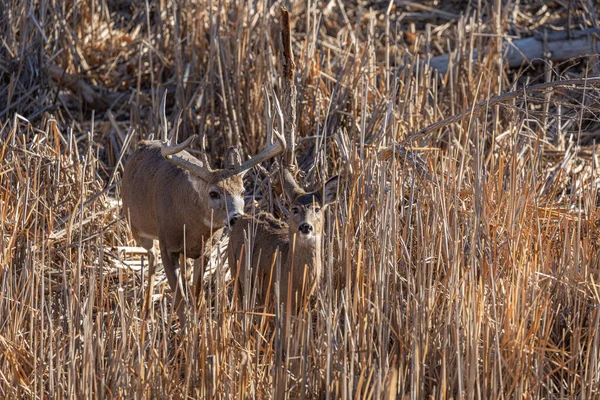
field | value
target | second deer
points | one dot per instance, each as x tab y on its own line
297	243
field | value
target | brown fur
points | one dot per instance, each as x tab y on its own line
268	236
160	199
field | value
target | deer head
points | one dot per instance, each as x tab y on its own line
220	189
306	212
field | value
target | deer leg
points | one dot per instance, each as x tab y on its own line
198	280
236	266
173	272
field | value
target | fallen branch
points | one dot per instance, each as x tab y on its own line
555	46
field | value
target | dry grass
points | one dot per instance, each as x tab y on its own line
475	279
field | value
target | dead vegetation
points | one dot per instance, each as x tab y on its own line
460	261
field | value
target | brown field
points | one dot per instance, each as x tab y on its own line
461	261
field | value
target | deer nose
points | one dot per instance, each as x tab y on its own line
305	228
234	218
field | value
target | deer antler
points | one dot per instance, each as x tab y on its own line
234	166
202	169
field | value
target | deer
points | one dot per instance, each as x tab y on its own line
170	196
261	238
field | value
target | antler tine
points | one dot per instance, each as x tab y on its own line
200	168
281	119
268	116
169	150
272	147
271	150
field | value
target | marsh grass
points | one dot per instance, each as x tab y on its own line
476	279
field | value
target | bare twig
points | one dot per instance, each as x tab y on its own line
288	96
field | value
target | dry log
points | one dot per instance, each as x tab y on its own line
555	46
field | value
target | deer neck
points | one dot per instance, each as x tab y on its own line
306	253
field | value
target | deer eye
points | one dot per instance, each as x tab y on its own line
214	195
317	209
295	210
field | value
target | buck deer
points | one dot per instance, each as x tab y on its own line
171	196
297	243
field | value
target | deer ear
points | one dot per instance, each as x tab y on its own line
330	190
